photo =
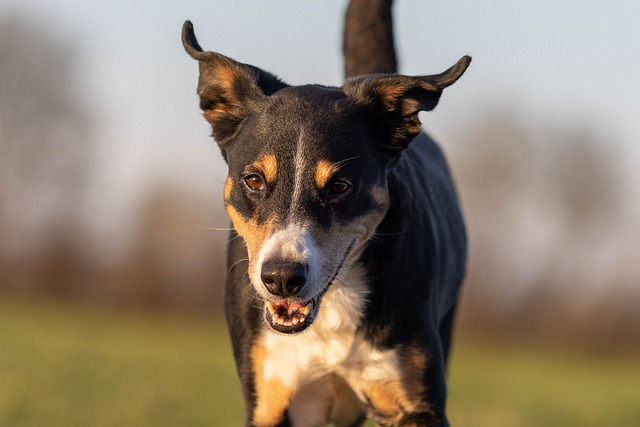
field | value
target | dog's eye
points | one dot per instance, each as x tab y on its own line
254	182
339	186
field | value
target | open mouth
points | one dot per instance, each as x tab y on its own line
290	317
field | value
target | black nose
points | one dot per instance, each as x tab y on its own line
284	279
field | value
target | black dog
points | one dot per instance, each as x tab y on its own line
343	283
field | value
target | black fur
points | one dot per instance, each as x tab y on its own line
416	263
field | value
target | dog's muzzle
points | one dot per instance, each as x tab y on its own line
285	280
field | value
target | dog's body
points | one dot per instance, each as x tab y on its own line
349	247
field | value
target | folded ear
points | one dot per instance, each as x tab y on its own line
393	102
227	89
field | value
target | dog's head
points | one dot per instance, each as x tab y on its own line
307	179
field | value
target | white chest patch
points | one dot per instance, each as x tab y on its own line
329	366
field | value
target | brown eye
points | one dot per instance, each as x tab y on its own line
339	186
254	182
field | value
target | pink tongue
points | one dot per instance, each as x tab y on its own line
287	306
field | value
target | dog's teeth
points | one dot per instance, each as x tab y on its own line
306	310
290	317
270	308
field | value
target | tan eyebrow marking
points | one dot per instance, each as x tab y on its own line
268	165
324	172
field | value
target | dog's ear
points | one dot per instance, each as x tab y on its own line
227	89
393	102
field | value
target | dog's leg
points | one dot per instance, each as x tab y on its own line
437	385
265	400
273	377
446	327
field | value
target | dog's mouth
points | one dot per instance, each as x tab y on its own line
291	317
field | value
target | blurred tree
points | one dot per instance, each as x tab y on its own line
543	206
177	260
44	140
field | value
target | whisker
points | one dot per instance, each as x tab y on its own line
214	228
257	306
342	162
234	264
222	181
233	238
376	238
389	234
248	290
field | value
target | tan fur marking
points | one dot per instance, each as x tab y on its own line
272	396
324	172
268	165
225	77
214	115
414	364
228	185
385	398
393	399
254	234
390	94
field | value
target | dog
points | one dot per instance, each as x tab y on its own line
348	248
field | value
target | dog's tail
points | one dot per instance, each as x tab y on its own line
368	38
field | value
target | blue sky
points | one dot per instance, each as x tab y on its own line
552	61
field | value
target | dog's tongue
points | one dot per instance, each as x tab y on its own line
286	307
288	316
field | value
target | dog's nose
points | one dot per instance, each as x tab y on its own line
283	279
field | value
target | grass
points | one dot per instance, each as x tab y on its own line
61	365
520	386
65	365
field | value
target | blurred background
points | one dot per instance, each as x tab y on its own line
111	261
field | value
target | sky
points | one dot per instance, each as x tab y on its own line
552	61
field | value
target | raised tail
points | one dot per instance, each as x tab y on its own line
368	38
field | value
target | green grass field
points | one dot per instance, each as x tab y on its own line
65	365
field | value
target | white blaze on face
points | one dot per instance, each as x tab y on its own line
300	240
294	243
299	166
